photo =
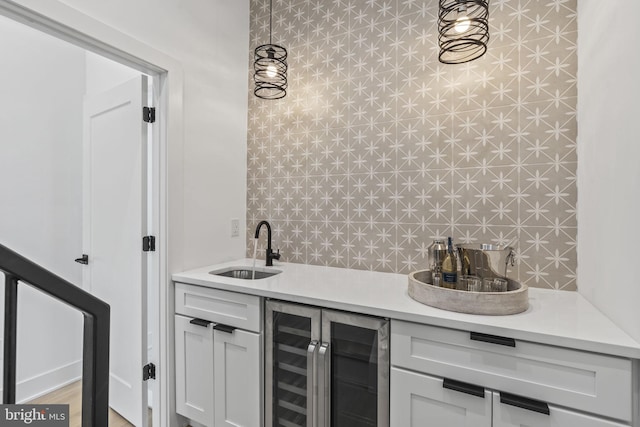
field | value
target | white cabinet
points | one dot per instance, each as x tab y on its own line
194	371
418	400
590	382
218	365
508	415
526	384
229	308
238	379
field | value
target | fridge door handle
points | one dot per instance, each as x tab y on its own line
312	391
324	385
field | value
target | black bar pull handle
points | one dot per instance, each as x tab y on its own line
83	260
524	403
472	389
224	328
200	322
493	339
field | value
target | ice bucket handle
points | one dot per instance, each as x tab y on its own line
511	258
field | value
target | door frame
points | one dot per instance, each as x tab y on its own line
66	23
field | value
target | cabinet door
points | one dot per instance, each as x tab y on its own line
194	370
291	332
238	379
353	371
507	415
418	400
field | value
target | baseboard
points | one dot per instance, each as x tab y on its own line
39	385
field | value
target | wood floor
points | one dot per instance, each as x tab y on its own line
72	395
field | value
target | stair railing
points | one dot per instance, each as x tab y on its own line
95	346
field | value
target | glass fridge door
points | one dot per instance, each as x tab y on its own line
354	371
292	334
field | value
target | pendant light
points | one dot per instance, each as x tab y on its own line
270	68
463	30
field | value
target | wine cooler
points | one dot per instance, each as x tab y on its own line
325	368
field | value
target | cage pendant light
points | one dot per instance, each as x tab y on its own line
463	30
270	68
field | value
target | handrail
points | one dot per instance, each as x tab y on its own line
95	347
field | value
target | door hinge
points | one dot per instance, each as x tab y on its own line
149	372
83	260
149	114
149	244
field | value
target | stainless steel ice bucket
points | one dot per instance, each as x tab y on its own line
485	260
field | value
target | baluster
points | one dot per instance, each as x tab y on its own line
10	341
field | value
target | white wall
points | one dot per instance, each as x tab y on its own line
211	40
41	188
608	159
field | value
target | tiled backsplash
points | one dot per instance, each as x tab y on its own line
378	148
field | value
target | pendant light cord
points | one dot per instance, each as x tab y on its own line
270	13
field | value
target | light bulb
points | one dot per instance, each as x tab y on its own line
462	24
271	71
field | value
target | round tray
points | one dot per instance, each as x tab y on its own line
514	300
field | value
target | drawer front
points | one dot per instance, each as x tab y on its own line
505	415
586	381
229	308
416	398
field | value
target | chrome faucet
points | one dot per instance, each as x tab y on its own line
270	254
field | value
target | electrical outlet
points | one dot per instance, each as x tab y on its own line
235	227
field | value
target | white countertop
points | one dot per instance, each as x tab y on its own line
554	317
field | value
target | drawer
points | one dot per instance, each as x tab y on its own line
229	308
508	415
586	381
416	398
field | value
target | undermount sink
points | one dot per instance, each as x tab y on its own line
246	273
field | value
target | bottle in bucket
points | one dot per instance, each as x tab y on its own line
449	267
435	254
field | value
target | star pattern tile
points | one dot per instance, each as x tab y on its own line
378	148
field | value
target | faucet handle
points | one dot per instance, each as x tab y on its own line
276	255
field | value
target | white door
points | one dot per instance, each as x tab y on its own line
238	384
194	369
420	400
114	217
